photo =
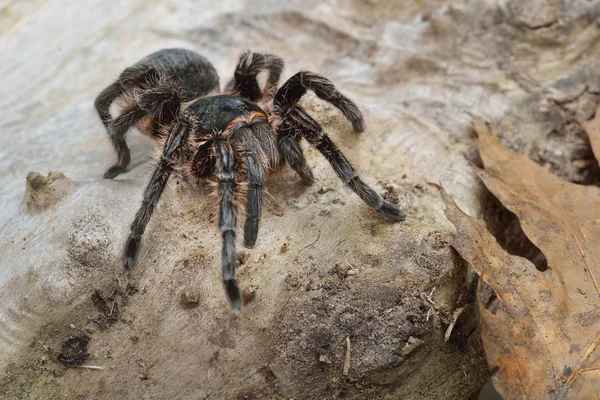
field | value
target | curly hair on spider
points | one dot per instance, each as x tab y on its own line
233	139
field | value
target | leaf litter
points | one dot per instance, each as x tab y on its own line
544	337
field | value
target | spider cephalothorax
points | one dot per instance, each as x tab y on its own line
232	139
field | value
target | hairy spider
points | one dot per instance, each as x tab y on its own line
233	139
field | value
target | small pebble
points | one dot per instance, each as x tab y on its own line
190	298
249	294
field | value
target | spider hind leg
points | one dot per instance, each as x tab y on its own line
225	174
105	99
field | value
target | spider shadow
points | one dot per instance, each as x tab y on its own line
285	185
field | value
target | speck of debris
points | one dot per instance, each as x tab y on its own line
74	349
242	257
390	194
108	307
284	247
324	359
340	270
411	345
248	294
143	370
190	298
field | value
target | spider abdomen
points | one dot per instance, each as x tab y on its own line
193	75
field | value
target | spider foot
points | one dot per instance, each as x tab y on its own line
250	233
358	123
132	247
391	211
306	175
234	295
114	171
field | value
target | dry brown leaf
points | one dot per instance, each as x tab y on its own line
592	127
545	335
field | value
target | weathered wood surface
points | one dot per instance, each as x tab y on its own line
325	267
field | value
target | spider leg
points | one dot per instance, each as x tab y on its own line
314	134
163	101
171	151
225	175
105	99
248	67
117	130
256	177
289	148
295	87
130	79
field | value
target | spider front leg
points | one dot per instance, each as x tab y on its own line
171	151
225	175
256	177
295	87
248	67
312	131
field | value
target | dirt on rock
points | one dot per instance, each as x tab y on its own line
74	349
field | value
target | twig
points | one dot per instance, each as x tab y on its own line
44	346
431	294
347	359
90	367
455	316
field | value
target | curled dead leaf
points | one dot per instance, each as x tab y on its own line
545	336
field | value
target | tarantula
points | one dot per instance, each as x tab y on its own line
233	139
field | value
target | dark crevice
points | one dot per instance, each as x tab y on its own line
567	150
575	161
488	297
505	227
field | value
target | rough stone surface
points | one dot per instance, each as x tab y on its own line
324	267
